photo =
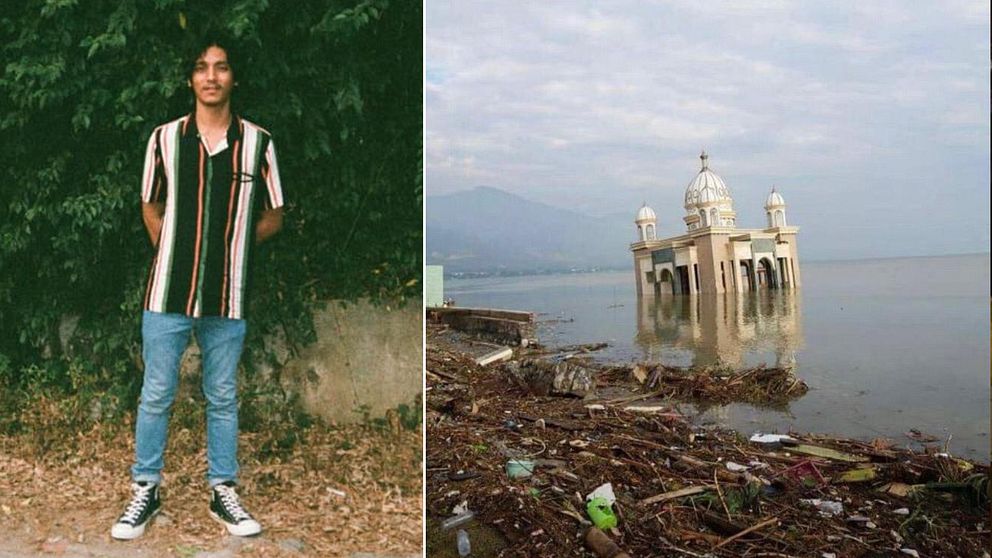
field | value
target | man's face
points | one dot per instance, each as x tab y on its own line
212	79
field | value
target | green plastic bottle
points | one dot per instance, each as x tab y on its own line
601	513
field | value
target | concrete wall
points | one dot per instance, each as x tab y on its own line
502	326
364	355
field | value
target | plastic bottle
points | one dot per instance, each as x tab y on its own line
464	546
601	513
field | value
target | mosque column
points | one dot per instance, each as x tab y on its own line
735	273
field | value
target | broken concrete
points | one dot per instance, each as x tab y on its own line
556	378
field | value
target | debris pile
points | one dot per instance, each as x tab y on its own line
535	466
759	385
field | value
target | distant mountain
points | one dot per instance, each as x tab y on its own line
487	229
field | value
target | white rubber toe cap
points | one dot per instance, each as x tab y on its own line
125	532
244	528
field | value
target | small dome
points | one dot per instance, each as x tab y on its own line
645	213
707	188
774	199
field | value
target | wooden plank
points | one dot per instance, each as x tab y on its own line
690	491
504	353
826	453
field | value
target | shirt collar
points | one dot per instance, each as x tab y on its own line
233	131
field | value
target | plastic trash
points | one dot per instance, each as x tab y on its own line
827	507
457	520
519	468
601	513
760	438
464	545
604	491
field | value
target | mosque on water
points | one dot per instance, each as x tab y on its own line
714	256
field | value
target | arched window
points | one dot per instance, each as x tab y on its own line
779	218
650	231
714	216
702	218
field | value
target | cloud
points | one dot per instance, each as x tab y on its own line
598	106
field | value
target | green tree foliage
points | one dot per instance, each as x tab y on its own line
82	85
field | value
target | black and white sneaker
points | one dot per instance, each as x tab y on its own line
145	503
226	508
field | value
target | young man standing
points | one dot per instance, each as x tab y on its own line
210	191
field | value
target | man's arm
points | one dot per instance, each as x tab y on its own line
152	214
269	223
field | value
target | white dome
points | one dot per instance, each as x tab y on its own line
645	213
707	188
774	200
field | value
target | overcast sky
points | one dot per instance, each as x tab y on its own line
871	118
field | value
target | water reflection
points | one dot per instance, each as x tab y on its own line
726	329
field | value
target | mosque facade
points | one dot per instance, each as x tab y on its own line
714	256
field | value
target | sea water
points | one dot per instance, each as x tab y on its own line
885	345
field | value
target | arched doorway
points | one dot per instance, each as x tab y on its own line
666	283
766	274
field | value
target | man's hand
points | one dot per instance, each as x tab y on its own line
269	223
152	214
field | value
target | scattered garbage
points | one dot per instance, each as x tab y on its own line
602	546
462	475
601	513
896	489
457	520
827	508
554	378
759	438
686	490
804	472
519	468
501	354
827	453
511	424
604	491
464	545
901	511
910	552
856	475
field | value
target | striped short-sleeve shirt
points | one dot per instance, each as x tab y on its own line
212	199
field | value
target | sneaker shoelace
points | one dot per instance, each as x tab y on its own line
142	494
229	499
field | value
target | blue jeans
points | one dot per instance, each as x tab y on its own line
164	339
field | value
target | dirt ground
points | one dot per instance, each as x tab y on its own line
339	491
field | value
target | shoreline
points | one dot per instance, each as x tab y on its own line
480	417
